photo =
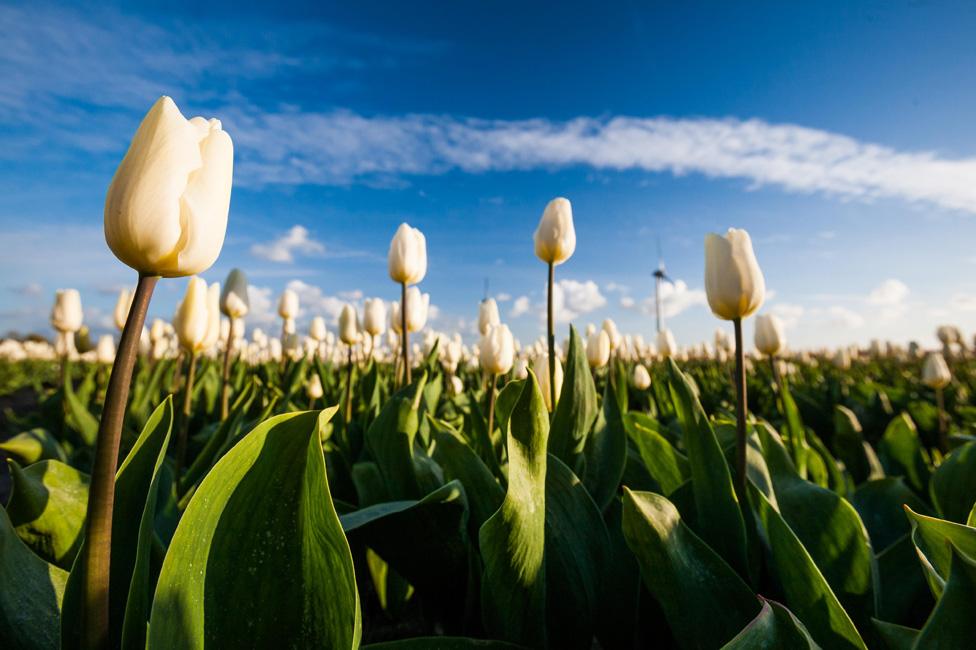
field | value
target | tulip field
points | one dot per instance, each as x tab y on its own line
374	483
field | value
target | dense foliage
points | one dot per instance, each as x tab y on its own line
612	522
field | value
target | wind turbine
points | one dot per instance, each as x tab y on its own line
660	275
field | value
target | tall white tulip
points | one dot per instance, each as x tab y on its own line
555	236
541	369
418	306
612	333
313	387
288	304
935	371
166	208
234	301
497	350
122	306
317	329
67	315
213	317
349	325
598	349
105	350
641	378
192	316
666	345
487	315
734	283
769	337
374	316
407	259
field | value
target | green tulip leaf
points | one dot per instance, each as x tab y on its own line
933	537
775	627
259	558
665	464
896	637
606	453
576	409
512	541
685	576
902	454
391	439
879	503
953	485
33	446
461	463
952	624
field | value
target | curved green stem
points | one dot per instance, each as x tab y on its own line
552	339
404	336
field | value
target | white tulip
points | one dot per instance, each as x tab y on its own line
614	335
734	283
935	371
122	307
555	237
407	259
213	317
317	330
641	378
417	307
455	386
288	304
349	325
166	208
598	349
497	350
192	316
487	315
521	370
105	350
769	336
666	345
313	387
374	316
541	369
67	315
234	301
395	324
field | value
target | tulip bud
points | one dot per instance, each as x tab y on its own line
555	237
666	345
487	315
769	334
521	370
417	308
213	317
192	316
313	387
395	324
349	325
288	304
122	306
317	329
67	316
374	316
734	282
613	335
641	378
158	330
935	372
407	259
166	208
455	385
497	350
105	351
598	349
234	301
541	369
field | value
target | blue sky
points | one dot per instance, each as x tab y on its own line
842	137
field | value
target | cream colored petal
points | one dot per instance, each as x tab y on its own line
142	207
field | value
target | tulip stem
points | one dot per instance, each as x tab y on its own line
225	385
551	339
348	408
491	403
740	413
187	410
96	558
404	336
943	424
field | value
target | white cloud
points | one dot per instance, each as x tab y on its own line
263	311
842	317
789	313
962	302
676	297
889	292
571	299
503	297
627	302
313	302
520	306
616	286
283	249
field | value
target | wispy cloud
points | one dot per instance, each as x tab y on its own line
283	249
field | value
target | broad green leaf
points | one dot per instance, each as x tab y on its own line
902	454
932	537
829	528
775	627
903	593
953	485
261	522
460	462
606	453
879	503
849	445
808	594
684	574
896	637
719	519
77	415
617	608
391	436
952	624
576	409
33	446
130	583
513	587
48	508
665	464
30	594
227	429
575	555
797	432
425	541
